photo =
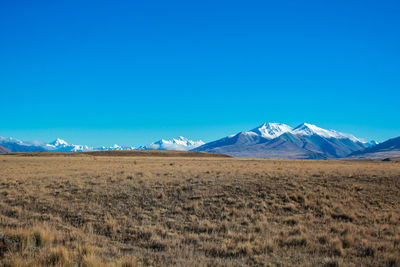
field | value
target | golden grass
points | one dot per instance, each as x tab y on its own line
92	210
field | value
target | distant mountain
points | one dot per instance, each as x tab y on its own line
387	149
15	145
269	140
180	143
114	147
4	150
60	145
277	140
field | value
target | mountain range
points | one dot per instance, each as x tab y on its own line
269	140
60	145
278	140
387	149
180	143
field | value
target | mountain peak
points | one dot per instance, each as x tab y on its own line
273	124
180	143
308	129
311	129
272	130
59	142
278	140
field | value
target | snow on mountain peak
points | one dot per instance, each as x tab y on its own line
272	130
180	143
11	140
113	147
250	133
310	129
59	142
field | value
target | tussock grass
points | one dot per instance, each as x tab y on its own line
90	210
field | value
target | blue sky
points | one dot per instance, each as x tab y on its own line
132	72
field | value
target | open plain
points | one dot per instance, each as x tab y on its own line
103	210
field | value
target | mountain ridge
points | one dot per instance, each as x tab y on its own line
278	140
268	140
389	148
180	143
60	145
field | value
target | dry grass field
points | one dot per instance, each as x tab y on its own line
98	210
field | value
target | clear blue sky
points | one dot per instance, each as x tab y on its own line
132	72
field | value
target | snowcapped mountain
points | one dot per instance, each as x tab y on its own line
277	140
387	149
269	140
272	130
180	143
114	147
307	129
60	145
15	145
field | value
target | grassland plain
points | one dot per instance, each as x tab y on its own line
96	210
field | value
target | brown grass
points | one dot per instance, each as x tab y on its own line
88	210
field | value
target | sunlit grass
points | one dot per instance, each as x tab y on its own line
133	211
